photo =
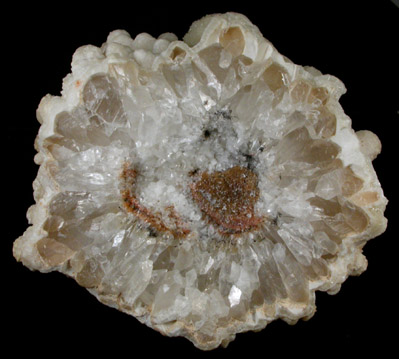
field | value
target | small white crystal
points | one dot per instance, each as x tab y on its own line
234	296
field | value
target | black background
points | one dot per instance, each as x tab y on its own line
356	41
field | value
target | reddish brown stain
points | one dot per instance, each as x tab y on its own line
132	205
228	199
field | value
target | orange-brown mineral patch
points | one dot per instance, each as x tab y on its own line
228	199
175	224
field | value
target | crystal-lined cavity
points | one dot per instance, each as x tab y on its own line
205	186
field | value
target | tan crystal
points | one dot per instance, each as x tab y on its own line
274	77
233	40
53	252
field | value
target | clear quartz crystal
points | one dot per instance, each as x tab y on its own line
205	186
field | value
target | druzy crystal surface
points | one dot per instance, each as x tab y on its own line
205	186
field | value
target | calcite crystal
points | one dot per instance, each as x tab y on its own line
205	186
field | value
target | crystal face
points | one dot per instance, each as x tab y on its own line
205	186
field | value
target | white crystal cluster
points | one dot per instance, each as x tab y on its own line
205	186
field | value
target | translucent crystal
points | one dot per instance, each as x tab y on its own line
205	186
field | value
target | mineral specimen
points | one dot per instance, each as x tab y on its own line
205	186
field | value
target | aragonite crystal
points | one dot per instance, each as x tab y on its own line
205	186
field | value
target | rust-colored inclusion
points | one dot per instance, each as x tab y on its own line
228	199
175	225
